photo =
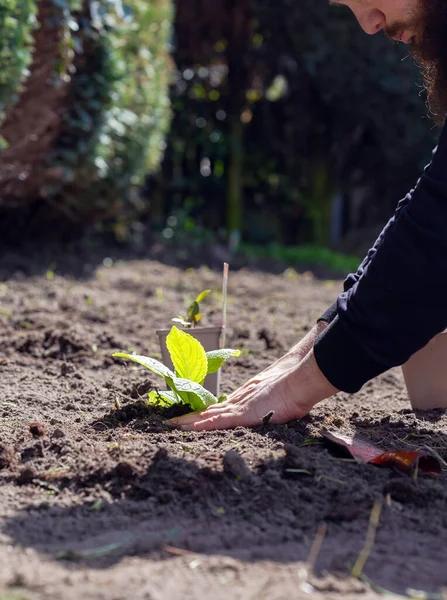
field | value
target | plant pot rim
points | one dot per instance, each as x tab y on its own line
216	329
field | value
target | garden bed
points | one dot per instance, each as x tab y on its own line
101	498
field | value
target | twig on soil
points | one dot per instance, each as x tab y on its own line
316	548
53	475
96	423
266	419
421	595
327	478
377	588
177	551
410	593
92	553
416	471
370	539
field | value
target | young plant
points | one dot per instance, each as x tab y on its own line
193	314
191	365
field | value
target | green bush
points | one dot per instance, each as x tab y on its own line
17	19
113	132
111	67
310	256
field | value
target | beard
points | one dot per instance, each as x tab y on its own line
429	50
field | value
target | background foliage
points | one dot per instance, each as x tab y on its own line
110	68
292	127
289	125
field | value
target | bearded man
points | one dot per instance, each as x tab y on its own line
393	310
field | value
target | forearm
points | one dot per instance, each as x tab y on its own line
298	352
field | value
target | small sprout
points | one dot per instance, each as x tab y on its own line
117	404
193	314
185	447
95	348
312	442
220	511
191	365
96	505
291	275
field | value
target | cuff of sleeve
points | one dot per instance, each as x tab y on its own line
329	314
343	362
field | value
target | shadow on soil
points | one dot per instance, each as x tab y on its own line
164	505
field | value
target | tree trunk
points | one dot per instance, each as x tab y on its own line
32	124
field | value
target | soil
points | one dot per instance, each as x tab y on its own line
101	498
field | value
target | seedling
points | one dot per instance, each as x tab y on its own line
193	314
191	365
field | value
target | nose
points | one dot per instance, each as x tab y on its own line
372	21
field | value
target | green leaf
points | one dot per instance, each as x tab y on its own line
194	394
201	297
197	318
163	398
187	354
181	321
192	311
150	363
216	358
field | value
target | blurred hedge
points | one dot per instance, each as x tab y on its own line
17	18
88	120
286	109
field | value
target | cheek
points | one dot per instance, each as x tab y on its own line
399	11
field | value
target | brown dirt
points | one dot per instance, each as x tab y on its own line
106	502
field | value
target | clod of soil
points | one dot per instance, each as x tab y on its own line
36	429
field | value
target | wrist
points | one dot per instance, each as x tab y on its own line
308	384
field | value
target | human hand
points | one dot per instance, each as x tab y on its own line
290	392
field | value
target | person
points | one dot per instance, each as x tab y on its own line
393	310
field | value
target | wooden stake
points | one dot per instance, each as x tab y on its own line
224	302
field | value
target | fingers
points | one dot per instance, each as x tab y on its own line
224	420
194	416
214	417
186	419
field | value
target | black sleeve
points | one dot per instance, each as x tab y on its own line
398	300
330	313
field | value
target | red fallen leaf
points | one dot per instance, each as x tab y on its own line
365	451
407	461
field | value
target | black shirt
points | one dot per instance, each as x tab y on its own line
397	300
